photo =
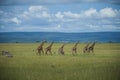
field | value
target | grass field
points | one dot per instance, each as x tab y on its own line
26	65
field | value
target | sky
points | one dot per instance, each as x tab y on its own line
59	15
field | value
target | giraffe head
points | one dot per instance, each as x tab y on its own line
45	41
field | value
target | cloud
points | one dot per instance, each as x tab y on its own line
37	8
59	15
37	11
42	18
90	12
90	20
16	20
69	14
34	15
108	12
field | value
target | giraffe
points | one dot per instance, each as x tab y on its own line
74	49
60	50
91	48
86	48
40	48
48	49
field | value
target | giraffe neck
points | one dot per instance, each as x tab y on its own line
51	44
93	44
42	43
76	44
62	45
87	45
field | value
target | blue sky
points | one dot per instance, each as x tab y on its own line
59	15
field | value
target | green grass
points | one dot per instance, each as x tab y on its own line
26	65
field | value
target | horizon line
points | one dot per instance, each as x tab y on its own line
58	32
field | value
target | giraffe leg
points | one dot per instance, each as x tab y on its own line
42	51
86	50
60	52
50	52
75	52
38	52
46	52
63	52
93	51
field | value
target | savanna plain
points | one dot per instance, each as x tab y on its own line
103	64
